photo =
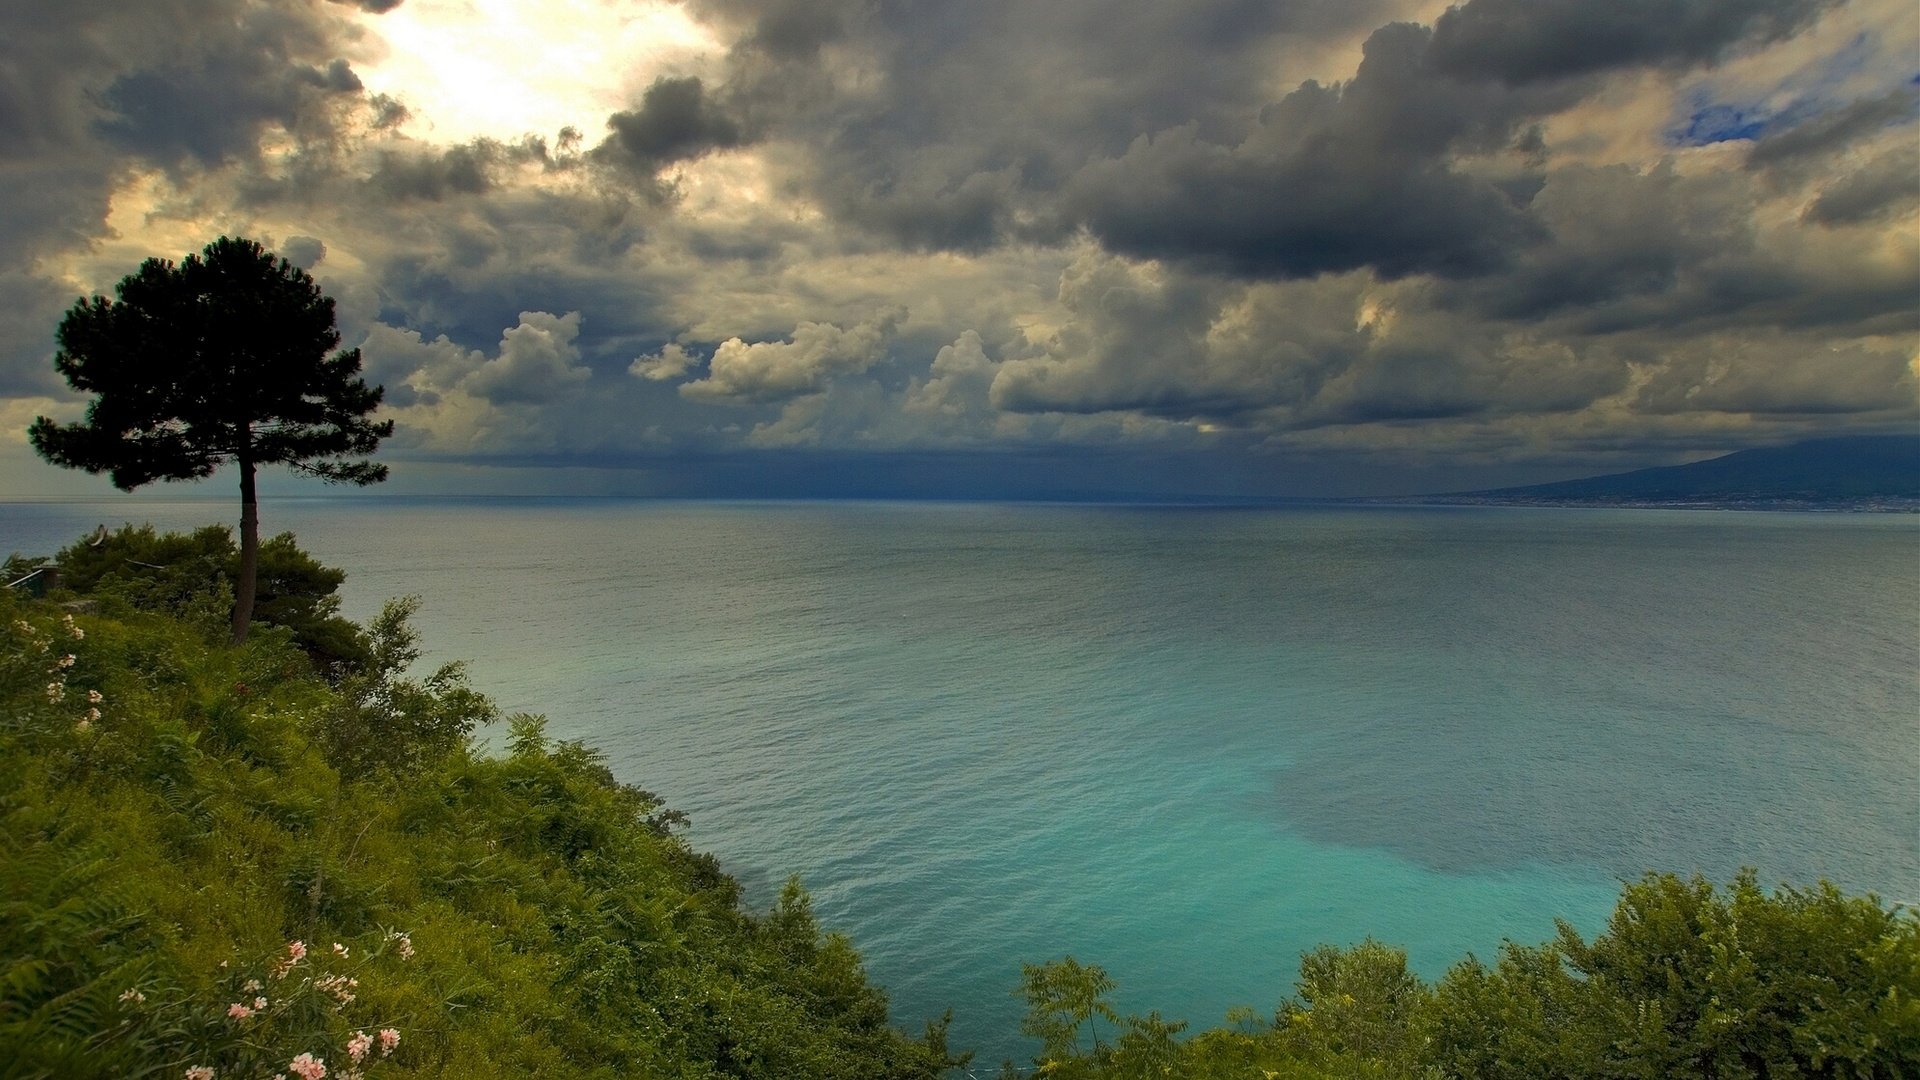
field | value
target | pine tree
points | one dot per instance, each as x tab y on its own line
226	357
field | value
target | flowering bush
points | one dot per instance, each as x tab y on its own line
30	654
289	1014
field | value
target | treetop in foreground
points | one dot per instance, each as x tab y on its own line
1685	980
226	357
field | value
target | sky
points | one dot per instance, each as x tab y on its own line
1000	248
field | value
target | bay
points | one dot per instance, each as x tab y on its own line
1183	743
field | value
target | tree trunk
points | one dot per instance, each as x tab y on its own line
249	554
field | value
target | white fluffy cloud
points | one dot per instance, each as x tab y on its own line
447	398
537	361
813	355
957	382
671	362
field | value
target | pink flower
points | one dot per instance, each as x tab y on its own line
308	1067
259	1003
358	1046
389	1038
340	987
200	1072
95	697
67	661
237	1011
339	949
296	952
250	985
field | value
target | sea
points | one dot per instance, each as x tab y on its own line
1182	743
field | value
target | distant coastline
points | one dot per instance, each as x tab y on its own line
1882	505
1861	474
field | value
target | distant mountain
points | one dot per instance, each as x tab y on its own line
1857	472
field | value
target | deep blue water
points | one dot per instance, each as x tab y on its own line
1185	744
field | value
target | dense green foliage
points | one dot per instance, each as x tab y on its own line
175	813
227	857
190	575
1686	981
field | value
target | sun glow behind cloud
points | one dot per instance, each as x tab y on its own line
504	68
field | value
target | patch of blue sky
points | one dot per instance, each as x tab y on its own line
1832	82
1720	123
1711	122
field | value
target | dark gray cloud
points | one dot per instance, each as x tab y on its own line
1369	173
1151	124
966	120
404	170
264	66
432	174
215	111
1662	250
676	121
57	178
1332	178
90	89
34	306
302	251
1522	41
1886	185
1617	234
87	86
791	29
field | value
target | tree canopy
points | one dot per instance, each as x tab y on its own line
226	357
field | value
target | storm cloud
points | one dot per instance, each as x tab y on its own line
1522	41
676	121
1388	231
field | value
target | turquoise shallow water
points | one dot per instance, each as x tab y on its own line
1185	744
